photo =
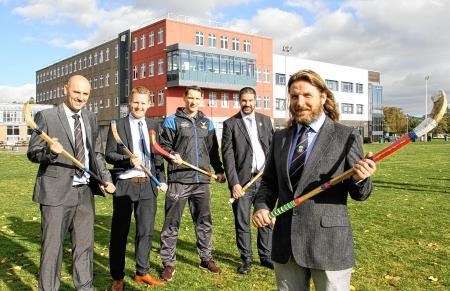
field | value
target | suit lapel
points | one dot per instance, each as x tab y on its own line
87	127
324	139
241	124
65	123
261	131
287	140
127	129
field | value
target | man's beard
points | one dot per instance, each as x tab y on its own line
312	115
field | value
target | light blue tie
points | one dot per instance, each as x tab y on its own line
144	148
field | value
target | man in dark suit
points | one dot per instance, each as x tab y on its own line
315	238
135	191
246	141
62	190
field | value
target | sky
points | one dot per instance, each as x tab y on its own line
404	40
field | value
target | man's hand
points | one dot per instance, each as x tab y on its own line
177	160
56	147
261	218
220	178
162	187
237	191
364	168
136	162
110	188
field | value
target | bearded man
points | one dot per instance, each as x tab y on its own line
313	240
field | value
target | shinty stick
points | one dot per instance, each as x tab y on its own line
158	149
438	111
253	180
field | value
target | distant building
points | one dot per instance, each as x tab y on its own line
13	127
354	90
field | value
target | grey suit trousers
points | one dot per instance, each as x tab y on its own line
76	216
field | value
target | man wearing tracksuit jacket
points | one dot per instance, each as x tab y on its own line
190	136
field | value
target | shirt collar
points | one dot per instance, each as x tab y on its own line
134	119
69	111
251	115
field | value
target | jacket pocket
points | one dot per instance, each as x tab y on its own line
335	221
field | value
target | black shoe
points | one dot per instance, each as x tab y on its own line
245	268
267	263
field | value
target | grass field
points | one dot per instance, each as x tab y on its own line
401	234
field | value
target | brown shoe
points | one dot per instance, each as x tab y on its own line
118	285
210	266
147	279
167	273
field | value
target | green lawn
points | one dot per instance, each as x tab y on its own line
402	234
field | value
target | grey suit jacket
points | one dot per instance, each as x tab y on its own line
55	174
237	151
117	157
316	233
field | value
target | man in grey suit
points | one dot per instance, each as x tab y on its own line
246	140
65	193
314	240
135	192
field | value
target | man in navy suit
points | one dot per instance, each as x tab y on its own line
246	141
313	240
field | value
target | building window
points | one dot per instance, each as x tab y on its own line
90	61
160	35
107	54
266	74
107	103
85	63
266	102
74	67
116	51
347	87
152	99
135	72
135	44
359	88
212	99
116	77
143	71
160	66
224	42
160	97
116	102
280	79
101	81
359	109
211	40
151	39
95	58
280	104
235	44
100	58
95	83
224	100
347	108
151	69
142	41
247	46
107	80
332	85
258	75
236	100
258	102
199	38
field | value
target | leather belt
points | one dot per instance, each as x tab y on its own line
79	185
139	180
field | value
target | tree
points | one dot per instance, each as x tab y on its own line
394	120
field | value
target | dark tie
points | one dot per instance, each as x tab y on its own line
79	146
144	149
298	158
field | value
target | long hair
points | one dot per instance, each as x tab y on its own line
314	79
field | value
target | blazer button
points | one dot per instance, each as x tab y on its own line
294	213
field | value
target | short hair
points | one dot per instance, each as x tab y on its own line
195	88
246	90
140	90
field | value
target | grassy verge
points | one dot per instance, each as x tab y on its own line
401	233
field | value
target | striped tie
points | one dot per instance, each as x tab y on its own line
79	146
144	148
299	157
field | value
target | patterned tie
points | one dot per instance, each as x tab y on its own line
79	145
144	149
298	158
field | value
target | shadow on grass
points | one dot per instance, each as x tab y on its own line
410	186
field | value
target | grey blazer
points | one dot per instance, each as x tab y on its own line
55	174
316	233
237	152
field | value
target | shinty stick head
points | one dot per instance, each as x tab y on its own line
438	111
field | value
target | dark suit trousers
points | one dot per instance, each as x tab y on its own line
144	216
76	216
242	211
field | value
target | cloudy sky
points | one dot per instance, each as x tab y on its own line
405	40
